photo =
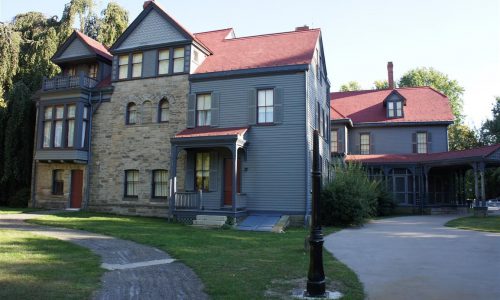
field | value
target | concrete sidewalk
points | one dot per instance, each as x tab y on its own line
135	271
418	258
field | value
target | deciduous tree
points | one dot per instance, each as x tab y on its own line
350	86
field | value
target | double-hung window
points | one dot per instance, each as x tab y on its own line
70	135
93	70
57	182
265	106
163	61
123	67
84	125
179	60
58	133
137	65
203	106
160	183
131	183
421	142
202	170
364	143
395	109
131	117
163	115
335	141
47	127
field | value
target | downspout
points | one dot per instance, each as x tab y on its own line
89	153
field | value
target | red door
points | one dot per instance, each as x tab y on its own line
228	181
76	188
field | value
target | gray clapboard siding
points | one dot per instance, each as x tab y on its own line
75	49
398	139
274	170
153	30
316	91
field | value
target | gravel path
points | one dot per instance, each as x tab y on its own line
135	271
418	258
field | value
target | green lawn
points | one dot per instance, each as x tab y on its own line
15	210
232	264
37	267
489	223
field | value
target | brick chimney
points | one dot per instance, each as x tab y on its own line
302	28
390	76
146	3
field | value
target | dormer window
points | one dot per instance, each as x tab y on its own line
395	109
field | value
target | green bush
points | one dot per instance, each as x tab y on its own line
352	197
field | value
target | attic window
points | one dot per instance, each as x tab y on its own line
395	109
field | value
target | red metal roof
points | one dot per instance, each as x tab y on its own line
335	114
210	131
420	158
269	50
97	47
423	104
104	83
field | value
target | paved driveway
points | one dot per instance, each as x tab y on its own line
418	258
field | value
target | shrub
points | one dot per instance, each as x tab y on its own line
352	197
20	198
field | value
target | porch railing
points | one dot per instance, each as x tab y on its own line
187	200
241	200
65	82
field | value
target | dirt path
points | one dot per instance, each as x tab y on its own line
135	271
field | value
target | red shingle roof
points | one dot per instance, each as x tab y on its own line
210	131
270	50
423	104
420	158
97	47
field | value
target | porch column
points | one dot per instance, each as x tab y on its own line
173	179
234	176
476	186
483	190
426	185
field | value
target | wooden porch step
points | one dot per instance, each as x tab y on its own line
209	221
211	218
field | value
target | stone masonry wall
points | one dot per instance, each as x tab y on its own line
144	146
43	192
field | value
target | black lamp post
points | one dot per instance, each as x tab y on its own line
316	275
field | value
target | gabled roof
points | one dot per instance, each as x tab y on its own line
147	7
481	152
210	132
93	45
269	50
423	104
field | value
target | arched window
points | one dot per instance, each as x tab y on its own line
131	113
147	112
163	110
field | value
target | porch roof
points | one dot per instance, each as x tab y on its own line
210	131
488	154
210	136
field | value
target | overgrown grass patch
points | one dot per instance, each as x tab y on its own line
489	223
232	264
37	267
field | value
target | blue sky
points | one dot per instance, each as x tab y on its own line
458	37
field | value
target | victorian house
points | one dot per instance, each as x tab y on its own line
401	136
171	123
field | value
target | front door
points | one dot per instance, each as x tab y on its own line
228	181
76	188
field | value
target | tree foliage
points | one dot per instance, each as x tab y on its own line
350	86
113	23
490	131
381	84
26	46
439	81
461	137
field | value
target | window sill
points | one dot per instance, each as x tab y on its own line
265	124
130	198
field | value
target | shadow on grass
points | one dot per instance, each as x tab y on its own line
36	267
